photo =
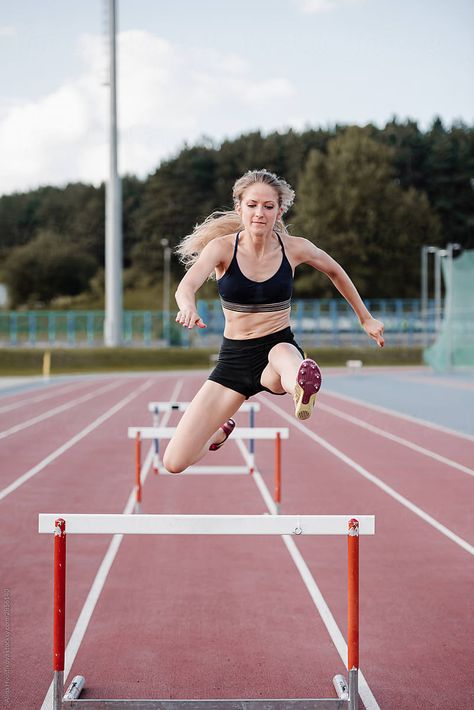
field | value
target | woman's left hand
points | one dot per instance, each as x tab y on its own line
374	329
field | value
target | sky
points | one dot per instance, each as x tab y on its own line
190	69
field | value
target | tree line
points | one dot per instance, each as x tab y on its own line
369	196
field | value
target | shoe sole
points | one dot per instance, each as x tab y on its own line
308	383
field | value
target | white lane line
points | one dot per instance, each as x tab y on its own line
265	493
373	479
52	392
399	415
101	576
57	410
320	603
328	620
437	381
70	443
95	591
397	439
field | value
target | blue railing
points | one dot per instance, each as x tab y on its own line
314	322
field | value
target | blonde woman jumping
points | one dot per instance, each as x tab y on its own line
253	258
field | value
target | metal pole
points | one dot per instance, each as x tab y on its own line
424	292
439	253
425	252
113	208
449	304
166	290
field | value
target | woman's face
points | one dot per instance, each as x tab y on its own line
259	209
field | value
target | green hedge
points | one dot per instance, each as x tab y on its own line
22	361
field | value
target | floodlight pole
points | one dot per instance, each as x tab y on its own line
166	290
450	249
440	254
113	208
425	251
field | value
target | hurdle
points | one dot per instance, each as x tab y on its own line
349	525
157	408
252	433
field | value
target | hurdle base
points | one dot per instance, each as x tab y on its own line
71	701
284	704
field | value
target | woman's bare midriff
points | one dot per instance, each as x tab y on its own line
242	326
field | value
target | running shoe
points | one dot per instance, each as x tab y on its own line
308	382
228	427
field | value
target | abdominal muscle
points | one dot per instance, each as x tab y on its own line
242	326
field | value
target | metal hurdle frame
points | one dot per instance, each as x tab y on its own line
351	526
140	434
157	408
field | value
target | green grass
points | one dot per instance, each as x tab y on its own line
29	361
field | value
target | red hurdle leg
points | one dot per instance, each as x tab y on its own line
59	611
138	467
353	612
277	493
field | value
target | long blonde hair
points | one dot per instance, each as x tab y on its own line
220	223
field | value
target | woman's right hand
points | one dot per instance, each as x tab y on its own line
188	318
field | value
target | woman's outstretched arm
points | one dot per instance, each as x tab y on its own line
320	260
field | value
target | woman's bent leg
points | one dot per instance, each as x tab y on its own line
199	426
283	364
287	371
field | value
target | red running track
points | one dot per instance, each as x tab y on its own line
226	617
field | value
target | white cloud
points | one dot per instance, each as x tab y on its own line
7	31
318	6
167	94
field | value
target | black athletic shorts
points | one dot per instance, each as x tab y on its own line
241	362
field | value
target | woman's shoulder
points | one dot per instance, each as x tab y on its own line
299	249
220	249
296	244
226	238
222	244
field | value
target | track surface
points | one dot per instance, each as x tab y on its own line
204	617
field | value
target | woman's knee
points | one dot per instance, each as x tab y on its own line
283	350
174	463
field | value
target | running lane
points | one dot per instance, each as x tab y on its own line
415	589
207	617
31	405
416	606
453	445
96	474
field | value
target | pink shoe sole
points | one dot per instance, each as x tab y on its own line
228	427
308	382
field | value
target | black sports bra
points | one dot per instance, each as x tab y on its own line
238	293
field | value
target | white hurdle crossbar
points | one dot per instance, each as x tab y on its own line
109	524
157	408
166	432
157	433
351	526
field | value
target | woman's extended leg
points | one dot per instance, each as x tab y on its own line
199	426
288	372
